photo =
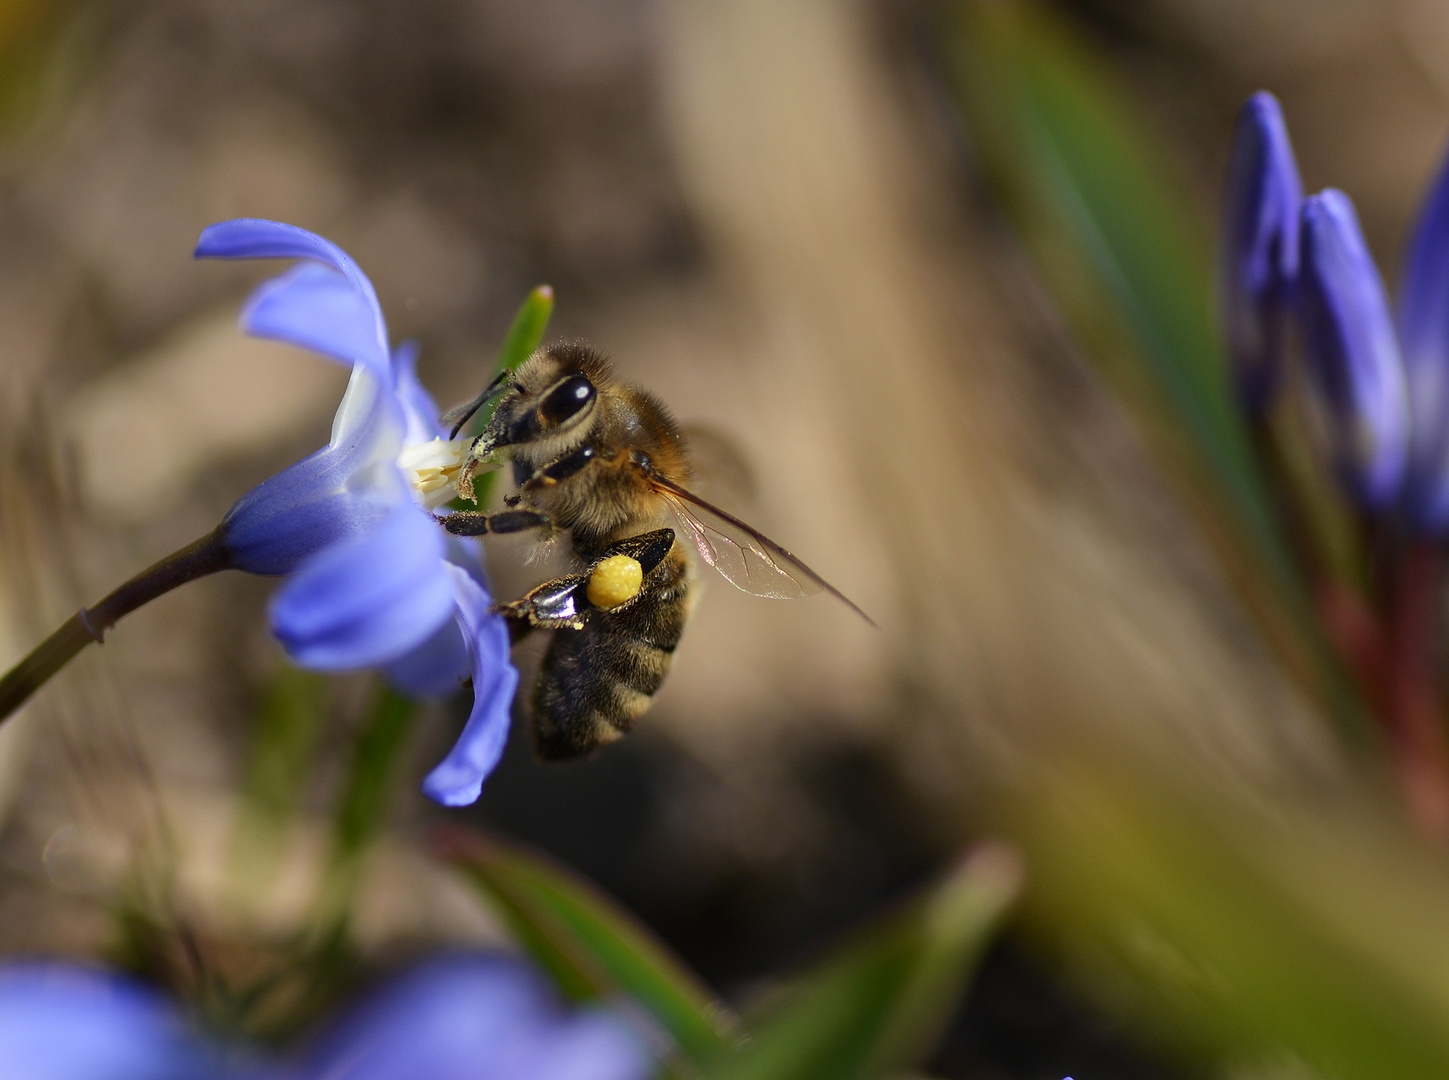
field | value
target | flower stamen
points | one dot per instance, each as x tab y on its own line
432	469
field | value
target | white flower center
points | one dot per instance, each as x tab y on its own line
432	469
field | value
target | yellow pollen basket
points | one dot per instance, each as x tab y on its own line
615	581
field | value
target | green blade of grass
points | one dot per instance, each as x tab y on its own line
592	947
877	1004
1126	256
1238	934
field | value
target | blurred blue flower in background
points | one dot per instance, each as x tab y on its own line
1383	383
1353	351
461	1017
1258	260
1424	336
474	1017
64	1022
374	582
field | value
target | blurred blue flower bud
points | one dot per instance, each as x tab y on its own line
374	582
1258	256
1352	351
1424	338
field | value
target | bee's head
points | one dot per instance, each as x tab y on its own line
549	405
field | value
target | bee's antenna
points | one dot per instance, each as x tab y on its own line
459	415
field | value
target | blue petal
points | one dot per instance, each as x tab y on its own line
59	1022
317	308
440	666
1424	336
1353	354
1259	247
369	600
417	404
254	238
473	1017
437	668
341	492
458	778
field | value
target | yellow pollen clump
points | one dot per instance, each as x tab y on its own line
615	581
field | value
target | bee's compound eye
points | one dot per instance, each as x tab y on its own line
566	399
616	580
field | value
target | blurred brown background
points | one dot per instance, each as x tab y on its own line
767	213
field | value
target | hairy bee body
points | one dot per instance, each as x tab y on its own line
587	473
605	464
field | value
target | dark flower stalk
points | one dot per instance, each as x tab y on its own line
88	625
1414	690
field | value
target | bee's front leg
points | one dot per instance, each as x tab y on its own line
476	523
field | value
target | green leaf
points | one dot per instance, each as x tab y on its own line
1243	931
592	947
1126	255
362	808
879	1003
284	741
524	336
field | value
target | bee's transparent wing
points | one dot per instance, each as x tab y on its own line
720	471
748	559
745	562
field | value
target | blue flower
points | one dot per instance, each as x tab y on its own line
474	1017
373	581
1353	351
1258	257
1287	259
460	1017
62	1022
1424	336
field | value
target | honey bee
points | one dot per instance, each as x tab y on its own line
605	463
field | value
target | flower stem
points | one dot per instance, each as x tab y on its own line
195	560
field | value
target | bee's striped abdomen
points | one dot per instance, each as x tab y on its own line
594	682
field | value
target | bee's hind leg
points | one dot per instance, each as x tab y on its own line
555	605
565	603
